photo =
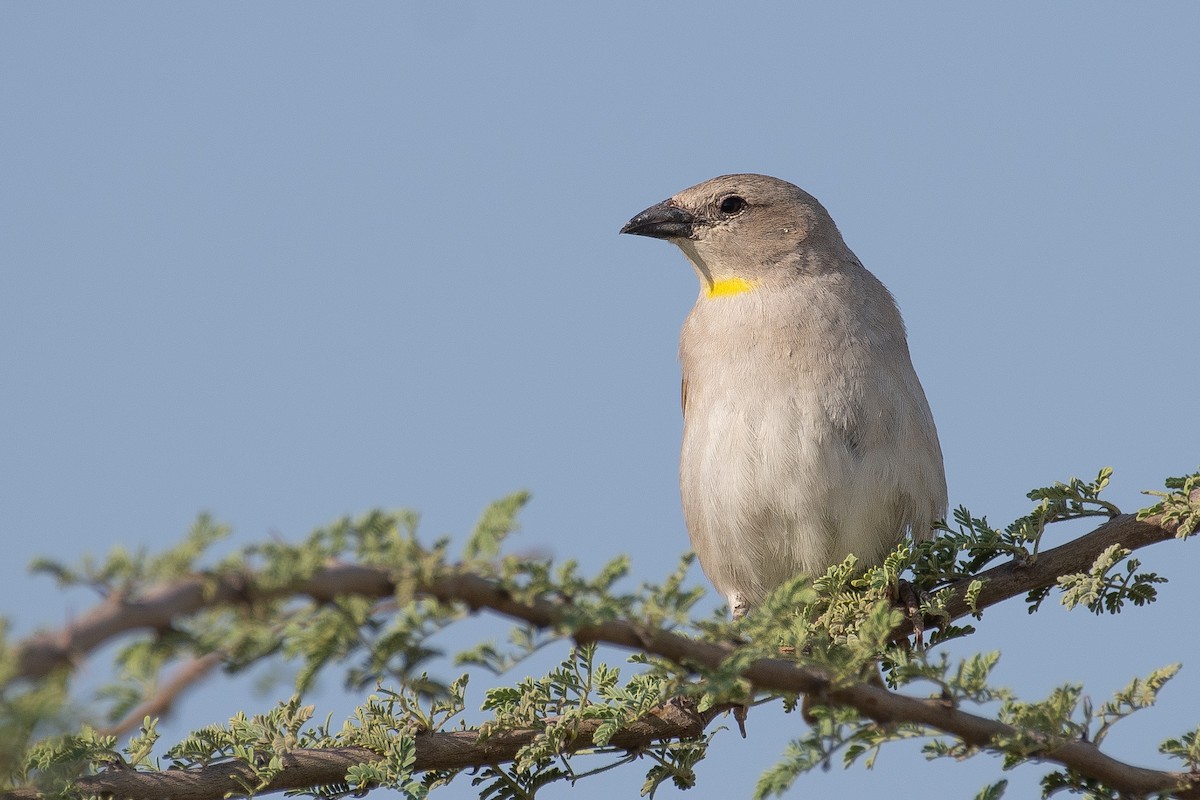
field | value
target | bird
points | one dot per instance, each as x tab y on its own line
807	436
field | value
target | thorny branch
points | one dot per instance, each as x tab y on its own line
187	675
445	750
304	769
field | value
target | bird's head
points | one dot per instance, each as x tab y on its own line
741	230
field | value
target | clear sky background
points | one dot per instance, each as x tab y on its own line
285	262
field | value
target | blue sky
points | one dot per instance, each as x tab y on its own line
284	262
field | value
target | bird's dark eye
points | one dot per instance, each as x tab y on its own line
732	205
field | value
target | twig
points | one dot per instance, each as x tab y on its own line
462	749
160	704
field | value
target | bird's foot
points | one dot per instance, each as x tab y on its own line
909	598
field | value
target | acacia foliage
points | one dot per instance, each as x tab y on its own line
368	598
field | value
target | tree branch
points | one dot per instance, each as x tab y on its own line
303	769
158	607
457	750
1014	578
188	674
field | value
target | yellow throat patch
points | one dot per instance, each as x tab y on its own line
728	287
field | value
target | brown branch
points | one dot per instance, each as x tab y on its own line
303	769
157	608
188	674
1012	579
458	750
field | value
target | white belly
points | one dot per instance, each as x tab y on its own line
790	464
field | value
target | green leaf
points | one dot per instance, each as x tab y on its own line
1180	506
497	521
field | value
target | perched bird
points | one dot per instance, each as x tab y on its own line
807	435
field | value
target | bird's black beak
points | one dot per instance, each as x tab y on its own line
663	221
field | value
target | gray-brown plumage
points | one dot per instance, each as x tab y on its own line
807	435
